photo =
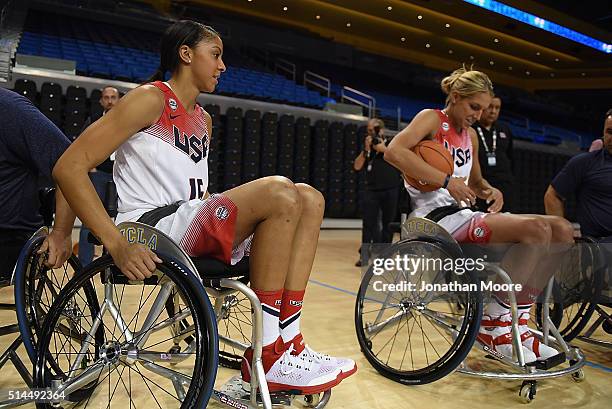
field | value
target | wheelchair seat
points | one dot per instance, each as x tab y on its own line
210	268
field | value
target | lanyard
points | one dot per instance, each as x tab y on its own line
484	142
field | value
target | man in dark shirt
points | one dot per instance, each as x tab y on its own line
100	176
589	177
495	153
382	184
30	144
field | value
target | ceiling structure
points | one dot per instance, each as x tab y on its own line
442	34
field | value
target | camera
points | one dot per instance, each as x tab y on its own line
376	137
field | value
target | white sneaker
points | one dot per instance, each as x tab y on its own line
496	334
530	341
288	372
346	365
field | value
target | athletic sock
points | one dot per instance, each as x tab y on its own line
290	311
270	304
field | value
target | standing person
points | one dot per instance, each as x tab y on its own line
469	93
100	176
588	176
495	153
382	184
162	138
30	145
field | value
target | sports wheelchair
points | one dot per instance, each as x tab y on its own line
415	333
154	342
577	297
35	289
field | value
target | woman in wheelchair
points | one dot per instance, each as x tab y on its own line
161	137
468	93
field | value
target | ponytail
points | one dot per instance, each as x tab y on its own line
157	76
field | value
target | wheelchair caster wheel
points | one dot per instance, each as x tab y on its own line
578	376
607	326
528	391
310	401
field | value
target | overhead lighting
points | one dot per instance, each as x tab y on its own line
389	8
510	68
491	62
318	17
583	74
556	60
471	57
427	45
552	74
538	53
527	72
403	38
420	17
285	8
447	25
348	24
496	40
450	51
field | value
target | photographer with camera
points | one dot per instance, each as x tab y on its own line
382	183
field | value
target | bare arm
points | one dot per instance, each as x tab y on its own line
138	109
399	154
552	203
59	242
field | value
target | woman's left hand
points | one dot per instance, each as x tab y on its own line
494	197
59	247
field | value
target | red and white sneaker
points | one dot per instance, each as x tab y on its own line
530	341
496	333
347	366
288	372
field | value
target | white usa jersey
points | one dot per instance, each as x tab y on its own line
460	147
164	163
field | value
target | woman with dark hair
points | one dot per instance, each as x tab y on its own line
469	92
162	137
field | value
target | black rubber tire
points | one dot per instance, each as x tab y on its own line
450	360
205	331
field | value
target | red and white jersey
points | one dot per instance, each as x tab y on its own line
460	147
164	163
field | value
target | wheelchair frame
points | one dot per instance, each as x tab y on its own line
422	229
232	393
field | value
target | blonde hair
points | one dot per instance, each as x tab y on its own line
466	82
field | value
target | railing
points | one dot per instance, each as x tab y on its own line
371	101
285	66
310	78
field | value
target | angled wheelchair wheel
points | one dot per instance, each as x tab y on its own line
413	335
136	350
576	290
36	287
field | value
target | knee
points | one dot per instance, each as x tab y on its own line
562	230
313	202
282	194
536	231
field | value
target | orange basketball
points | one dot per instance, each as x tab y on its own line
436	155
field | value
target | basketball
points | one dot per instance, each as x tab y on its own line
436	155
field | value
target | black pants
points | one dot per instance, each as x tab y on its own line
377	202
11	243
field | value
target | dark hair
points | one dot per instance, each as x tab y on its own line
609	113
183	32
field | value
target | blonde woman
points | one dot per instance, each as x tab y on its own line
469	92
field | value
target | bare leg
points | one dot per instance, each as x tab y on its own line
306	237
270	207
533	236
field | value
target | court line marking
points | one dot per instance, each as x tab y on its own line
587	363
